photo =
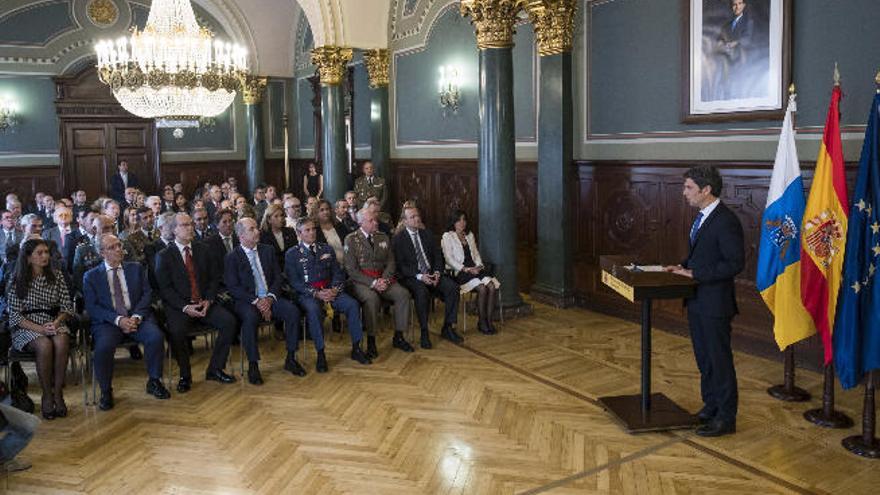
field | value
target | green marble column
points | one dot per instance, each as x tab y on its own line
380	130
497	170
252	94
493	21
554	26
331	62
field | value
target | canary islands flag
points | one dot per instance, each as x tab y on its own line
823	233
857	328
779	251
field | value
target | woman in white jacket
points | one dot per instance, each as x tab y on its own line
463	258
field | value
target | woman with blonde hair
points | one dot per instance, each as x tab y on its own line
276	233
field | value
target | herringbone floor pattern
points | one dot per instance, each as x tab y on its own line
512	413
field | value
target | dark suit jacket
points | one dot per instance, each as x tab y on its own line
218	250
173	282
289	236
405	253
717	256
71	240
240	279
99	301
151	252
117	186
17	236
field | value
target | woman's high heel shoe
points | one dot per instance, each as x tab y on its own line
48	411
60	408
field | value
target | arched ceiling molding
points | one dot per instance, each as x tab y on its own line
417	37
364	24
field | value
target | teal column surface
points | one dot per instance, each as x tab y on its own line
333	156
497	172
380	131
253	114
553	277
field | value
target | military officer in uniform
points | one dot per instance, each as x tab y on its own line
369	262
318	280
369	185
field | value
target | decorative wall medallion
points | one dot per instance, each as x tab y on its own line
102	13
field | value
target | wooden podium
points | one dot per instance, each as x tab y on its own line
646	411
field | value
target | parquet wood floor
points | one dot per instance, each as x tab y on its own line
511	413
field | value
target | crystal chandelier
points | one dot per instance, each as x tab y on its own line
172	71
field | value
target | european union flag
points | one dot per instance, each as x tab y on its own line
857	326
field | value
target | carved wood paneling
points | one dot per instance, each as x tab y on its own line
26	183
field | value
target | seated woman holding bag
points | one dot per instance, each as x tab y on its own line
463	258
39	306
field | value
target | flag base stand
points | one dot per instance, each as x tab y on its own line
866	444
787	391
826	416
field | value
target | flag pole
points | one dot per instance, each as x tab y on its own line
866	444
788	392
826	415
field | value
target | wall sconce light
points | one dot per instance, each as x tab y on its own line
450	87
8	115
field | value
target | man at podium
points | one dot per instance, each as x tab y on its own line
716	255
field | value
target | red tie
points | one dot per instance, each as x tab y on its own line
191	272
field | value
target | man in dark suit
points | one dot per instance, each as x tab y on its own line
317	278
253	277
223	241
188	287
121	180
117	298
10	235
342	216
152	250
716	255
77	236
202	228
419	264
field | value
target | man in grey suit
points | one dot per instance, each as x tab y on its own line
62	216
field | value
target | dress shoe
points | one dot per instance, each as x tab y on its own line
219	376
449	334
372	352
704	416
717	428
426	340
184	384
400	343
254	376
484	328
60	408
321	364
106	401
47	407
358	355
291	365
156	389
135	352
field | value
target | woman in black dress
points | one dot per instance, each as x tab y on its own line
313	182
463	258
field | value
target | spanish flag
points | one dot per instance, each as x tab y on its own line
823	234
779	251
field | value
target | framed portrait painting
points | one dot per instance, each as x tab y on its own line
736	60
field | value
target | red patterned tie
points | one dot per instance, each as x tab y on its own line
191	272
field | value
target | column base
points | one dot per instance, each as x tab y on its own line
552	296
517	310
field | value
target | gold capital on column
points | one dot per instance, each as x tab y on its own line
252	89
331	62
493	20
554	24
377	67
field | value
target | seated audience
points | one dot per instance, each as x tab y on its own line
80	202
10	235
154	203
151	250
330	231
342	216
292	211
117	298
311	207
39	307
58	233
318	280
253	276
134	238
463	259
202	227
419	265
353	206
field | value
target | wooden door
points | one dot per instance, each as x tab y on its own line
97	133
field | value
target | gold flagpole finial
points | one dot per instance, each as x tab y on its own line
791	89
836	75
